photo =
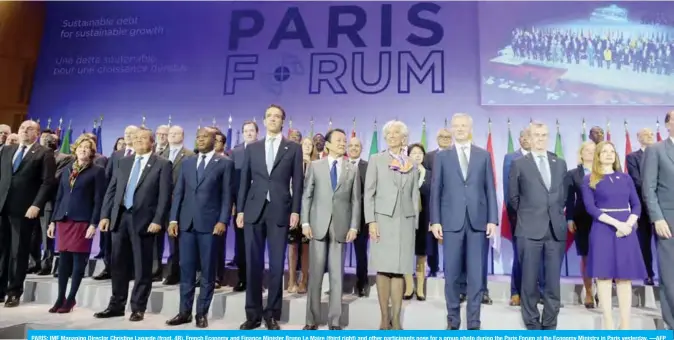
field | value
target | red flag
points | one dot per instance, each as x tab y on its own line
353	133
608	135
490	149
658	136
628	147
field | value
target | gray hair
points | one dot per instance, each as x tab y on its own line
537	124
463	115
142	128
163	127
396	123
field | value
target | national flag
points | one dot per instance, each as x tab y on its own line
506	228
583	134
229	138
374	143
99	137
628	145
496	240
559	151
658	136
353	129
608	132
65	145
424	141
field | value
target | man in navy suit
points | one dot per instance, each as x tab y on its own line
136	205
106	239
202	206
463	213
249	130
645	228
265	209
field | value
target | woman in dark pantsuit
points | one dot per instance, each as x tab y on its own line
579	221
416	153
77	209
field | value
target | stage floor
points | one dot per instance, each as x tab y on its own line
358	313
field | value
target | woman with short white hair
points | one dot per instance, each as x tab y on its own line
391	208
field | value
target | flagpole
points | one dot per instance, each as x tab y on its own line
169	121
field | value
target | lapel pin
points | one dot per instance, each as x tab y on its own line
286	148
554	160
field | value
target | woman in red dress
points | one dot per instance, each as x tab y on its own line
77	210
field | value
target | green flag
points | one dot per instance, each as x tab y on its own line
558	146
65	144
423	136
511	145
374	144
583	135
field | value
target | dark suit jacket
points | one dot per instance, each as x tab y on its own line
425	195
575	208
537	207
180	157
152	198
634	167
82	202
112	163
31	185
256	182
100	160
237	155
63	160
200	205
429	159
362	169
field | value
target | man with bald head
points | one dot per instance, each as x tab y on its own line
176	152
354	149
12	139
113	164
5	131
645	229
161	140
27	173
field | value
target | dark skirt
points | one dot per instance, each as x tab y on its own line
295	236
582	235
70	236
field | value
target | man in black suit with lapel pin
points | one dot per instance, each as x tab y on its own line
265	208
355	148
112	164
26	183
176	153
136	205
201	210
250	131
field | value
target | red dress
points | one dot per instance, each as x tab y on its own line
70	237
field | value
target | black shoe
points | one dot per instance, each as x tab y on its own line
310	328
100	256
433	274
158	277
44	271
109	313
2	298
104	275
486	300
272	325
179	319
201	322
361	292
462	298
335	328
451	328
170	281
231	264
408	297
12	301
474	328
137	316
649	282
240	287
250	324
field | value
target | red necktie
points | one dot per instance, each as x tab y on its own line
128	152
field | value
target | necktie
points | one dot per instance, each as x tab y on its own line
133	181
545	172
19	158
270	154
463	161
172	157
128	152
333	175
201	168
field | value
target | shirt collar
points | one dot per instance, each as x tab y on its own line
331	160
28	146
276	138
145	156
524	152
208	154
176	147
463	145
537	155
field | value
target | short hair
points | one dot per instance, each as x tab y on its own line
163	126
51	141
416	145
142	128
537	124
444	129
525	131
82	139
49	131
393	123
278	107
250	122
328	135
668	116
463	115
220	134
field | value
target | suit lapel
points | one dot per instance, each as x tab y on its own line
669	147
531	159
146	170
344	173
209	167
179	157
552	165
455	153
282	149
29	154
471	162
126	166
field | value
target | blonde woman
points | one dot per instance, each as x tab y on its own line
578	220
295	237
391	208
611	199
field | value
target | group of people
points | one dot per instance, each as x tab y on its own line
292	193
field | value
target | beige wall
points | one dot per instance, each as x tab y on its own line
21	25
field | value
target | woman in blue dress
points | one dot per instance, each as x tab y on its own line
614	253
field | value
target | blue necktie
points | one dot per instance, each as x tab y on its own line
131	186
333	175
201	168
19	158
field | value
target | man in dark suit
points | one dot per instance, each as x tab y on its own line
645	228
27	173
136	204
354	149
250	131
5	131
536	192
266	208
201	210
111	166
176	153
463	213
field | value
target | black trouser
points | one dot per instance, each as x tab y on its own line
240	253
159	242
360	248
15	237
39	239
173	261
645	235
71	265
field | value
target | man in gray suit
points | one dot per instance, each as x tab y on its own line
463	213
536	192
658	192
332	188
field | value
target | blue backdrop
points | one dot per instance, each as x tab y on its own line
327	61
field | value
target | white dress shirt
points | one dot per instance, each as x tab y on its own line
143	163
464	148
338	165
208	158
276	144
174	151
25	152
524	152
